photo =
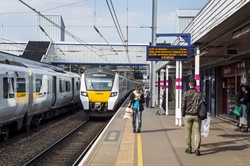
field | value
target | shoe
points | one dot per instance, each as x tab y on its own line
134	131
138	131
197	153
245	130
238	128
188	151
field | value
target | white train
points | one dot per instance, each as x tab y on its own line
103	90
30	94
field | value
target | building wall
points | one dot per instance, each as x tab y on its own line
183	17
53	32
181	23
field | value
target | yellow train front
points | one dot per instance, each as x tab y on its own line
103	91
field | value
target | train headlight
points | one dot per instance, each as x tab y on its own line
113	94
84	93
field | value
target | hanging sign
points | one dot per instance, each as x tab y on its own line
167	53
172	52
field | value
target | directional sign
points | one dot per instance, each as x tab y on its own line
173	52
168	53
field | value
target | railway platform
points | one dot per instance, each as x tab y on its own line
162	143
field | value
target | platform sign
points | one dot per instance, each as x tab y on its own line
168	53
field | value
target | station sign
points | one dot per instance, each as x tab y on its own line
168	53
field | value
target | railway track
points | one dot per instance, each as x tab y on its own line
66	151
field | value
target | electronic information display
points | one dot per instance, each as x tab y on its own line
167	53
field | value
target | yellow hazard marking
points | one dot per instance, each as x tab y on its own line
139	149
112	136
125	156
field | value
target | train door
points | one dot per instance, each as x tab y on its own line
53	91
73	88
8	102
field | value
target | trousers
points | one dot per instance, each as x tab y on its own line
137	114
192	122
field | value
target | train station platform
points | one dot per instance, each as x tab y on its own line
162	143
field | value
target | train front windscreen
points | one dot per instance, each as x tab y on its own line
99	82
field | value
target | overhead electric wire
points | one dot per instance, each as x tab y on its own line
117	20
100	32
105	40
67	32
119	33
51	39
46	9
63	6
118	28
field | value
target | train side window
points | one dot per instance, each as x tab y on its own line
21	87
67	86
77	86
8	88
38	85
61	86
48	86
5	88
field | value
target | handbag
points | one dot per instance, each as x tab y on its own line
141	107
238	110
128	111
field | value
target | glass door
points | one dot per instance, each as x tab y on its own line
230	95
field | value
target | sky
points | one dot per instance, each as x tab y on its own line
19	23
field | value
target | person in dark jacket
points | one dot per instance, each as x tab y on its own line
189	108
164	98
244	117
137	100
239	95
147	97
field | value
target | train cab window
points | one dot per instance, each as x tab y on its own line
21	87
99	81
38	85
67	86
8	88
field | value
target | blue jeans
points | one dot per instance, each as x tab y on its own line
137	113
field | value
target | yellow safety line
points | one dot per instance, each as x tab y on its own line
139	150
125	156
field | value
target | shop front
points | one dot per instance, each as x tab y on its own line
232	77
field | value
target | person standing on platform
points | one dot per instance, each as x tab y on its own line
189	108
164	98
147	97
244	117
238	97
137	100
